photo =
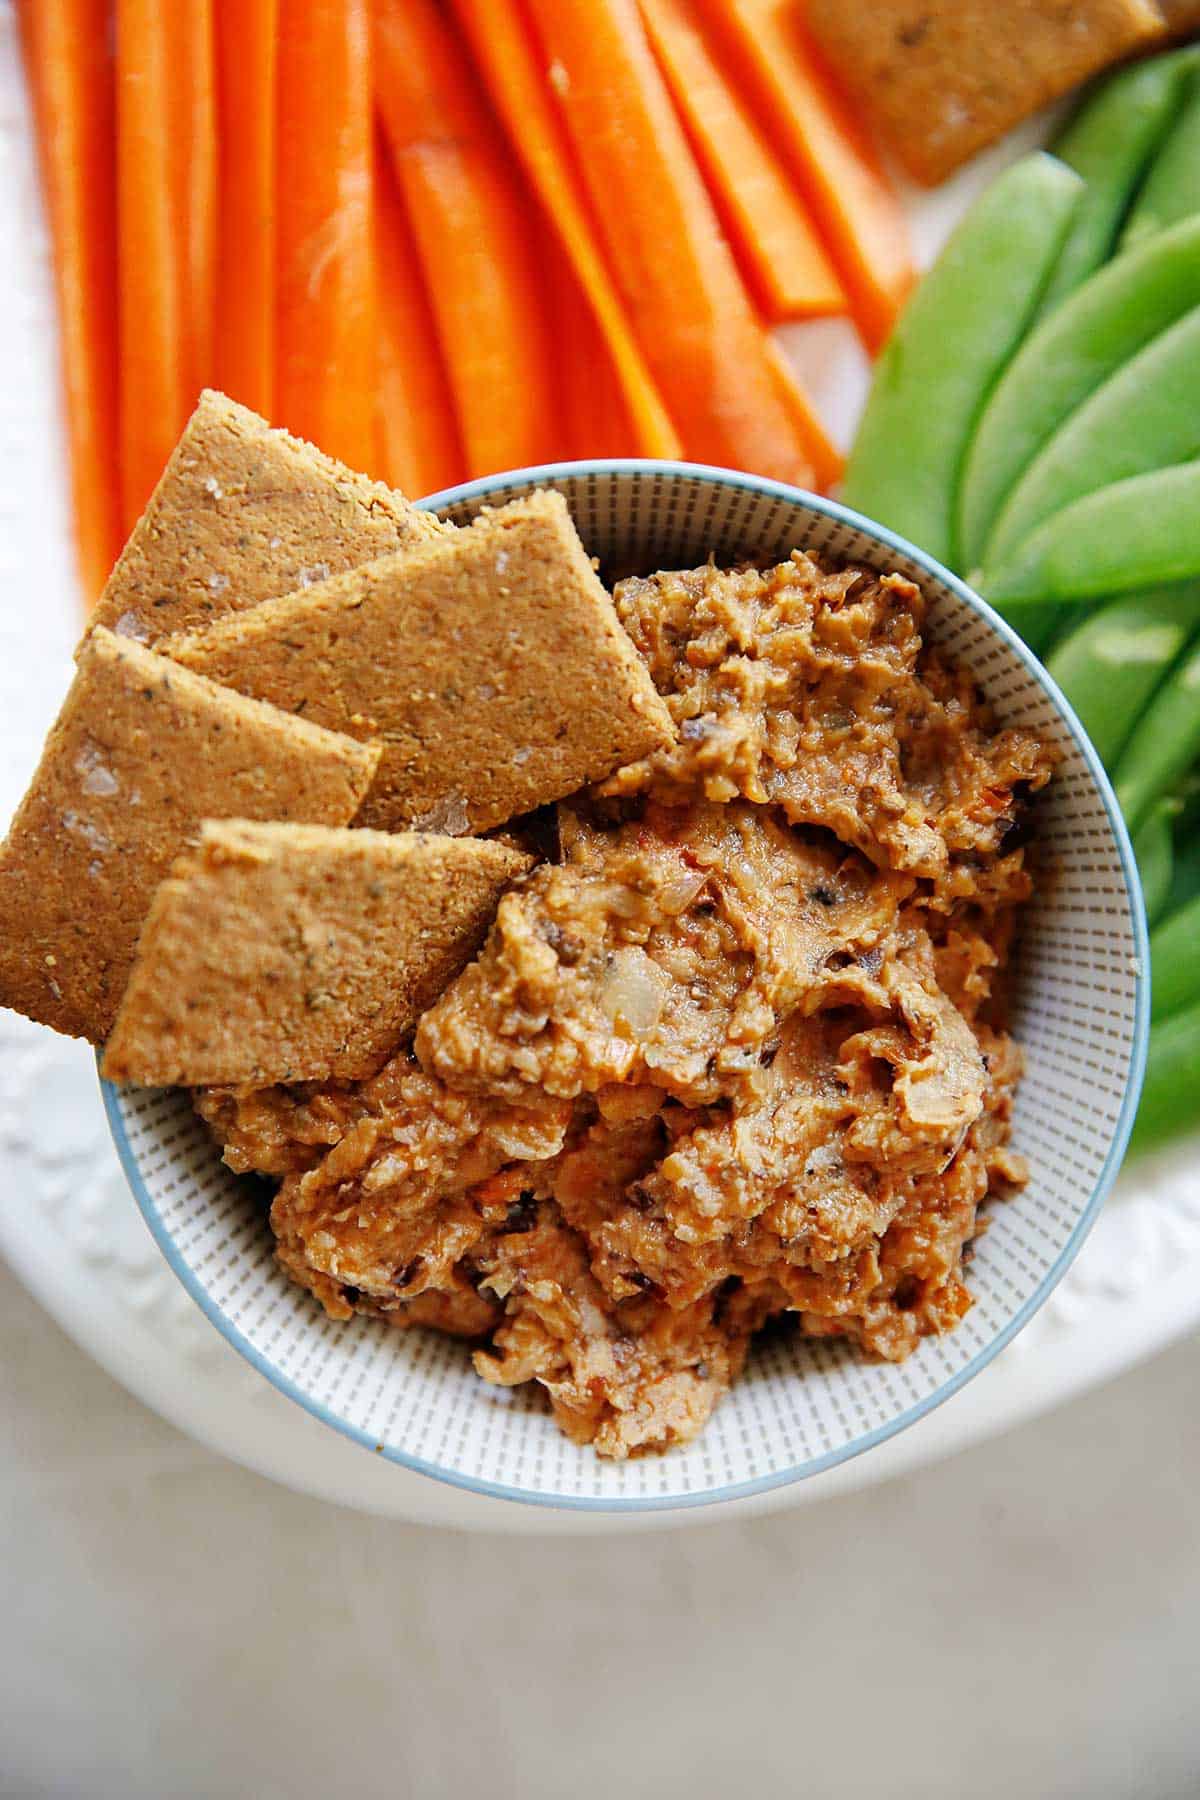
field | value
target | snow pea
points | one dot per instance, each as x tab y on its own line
1111	664
1039	622
1171	1095
1171	190
1175	961
951	342
1146	416
1065	358
1155	853
1185	882
1137	533
1109	141
1164	744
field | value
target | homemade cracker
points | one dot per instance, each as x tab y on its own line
490	664
244	511
141	752
296	953
942	78
1182	16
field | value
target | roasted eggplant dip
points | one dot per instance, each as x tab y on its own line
734	1049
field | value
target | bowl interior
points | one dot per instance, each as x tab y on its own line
800	1406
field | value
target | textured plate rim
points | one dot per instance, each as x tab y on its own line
481	488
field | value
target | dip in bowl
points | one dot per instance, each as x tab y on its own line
803	1403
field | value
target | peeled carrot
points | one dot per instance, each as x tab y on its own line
767	221
505	55
69	59
470	218
417	444
827	460
191	156
324	307
692	315
154	392
596	419
856	211
246	38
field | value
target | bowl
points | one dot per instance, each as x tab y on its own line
1080	1012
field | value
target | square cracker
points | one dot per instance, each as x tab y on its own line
140	753
942	78
244	511
297	953
490	665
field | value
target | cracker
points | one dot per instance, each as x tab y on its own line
942	78
490	665
243	512
1182	16
296	953
141	752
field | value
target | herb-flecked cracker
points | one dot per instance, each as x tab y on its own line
298	953
142	750
942	78
490	665
244	511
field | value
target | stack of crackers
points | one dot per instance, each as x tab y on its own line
249	853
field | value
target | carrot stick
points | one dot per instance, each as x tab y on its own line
827	460
469	215
246	36
324	302
692	315
856	211
417	441
191	154
69	61
767	221
596	420
154	392
505	56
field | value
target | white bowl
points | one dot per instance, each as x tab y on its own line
1081	1011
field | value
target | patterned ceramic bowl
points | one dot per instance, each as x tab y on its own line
1080	1014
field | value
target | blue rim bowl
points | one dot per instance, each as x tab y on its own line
135	1138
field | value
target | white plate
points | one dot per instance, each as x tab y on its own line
68	1224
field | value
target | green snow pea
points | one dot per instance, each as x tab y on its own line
1171	1095
1155	854
952	340
1175	961
1111	664
1109	141
1065	358
1039	622
1165	742
1171	190
1185	882
1137	533
1145	416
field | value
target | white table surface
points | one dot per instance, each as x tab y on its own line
1017	1623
